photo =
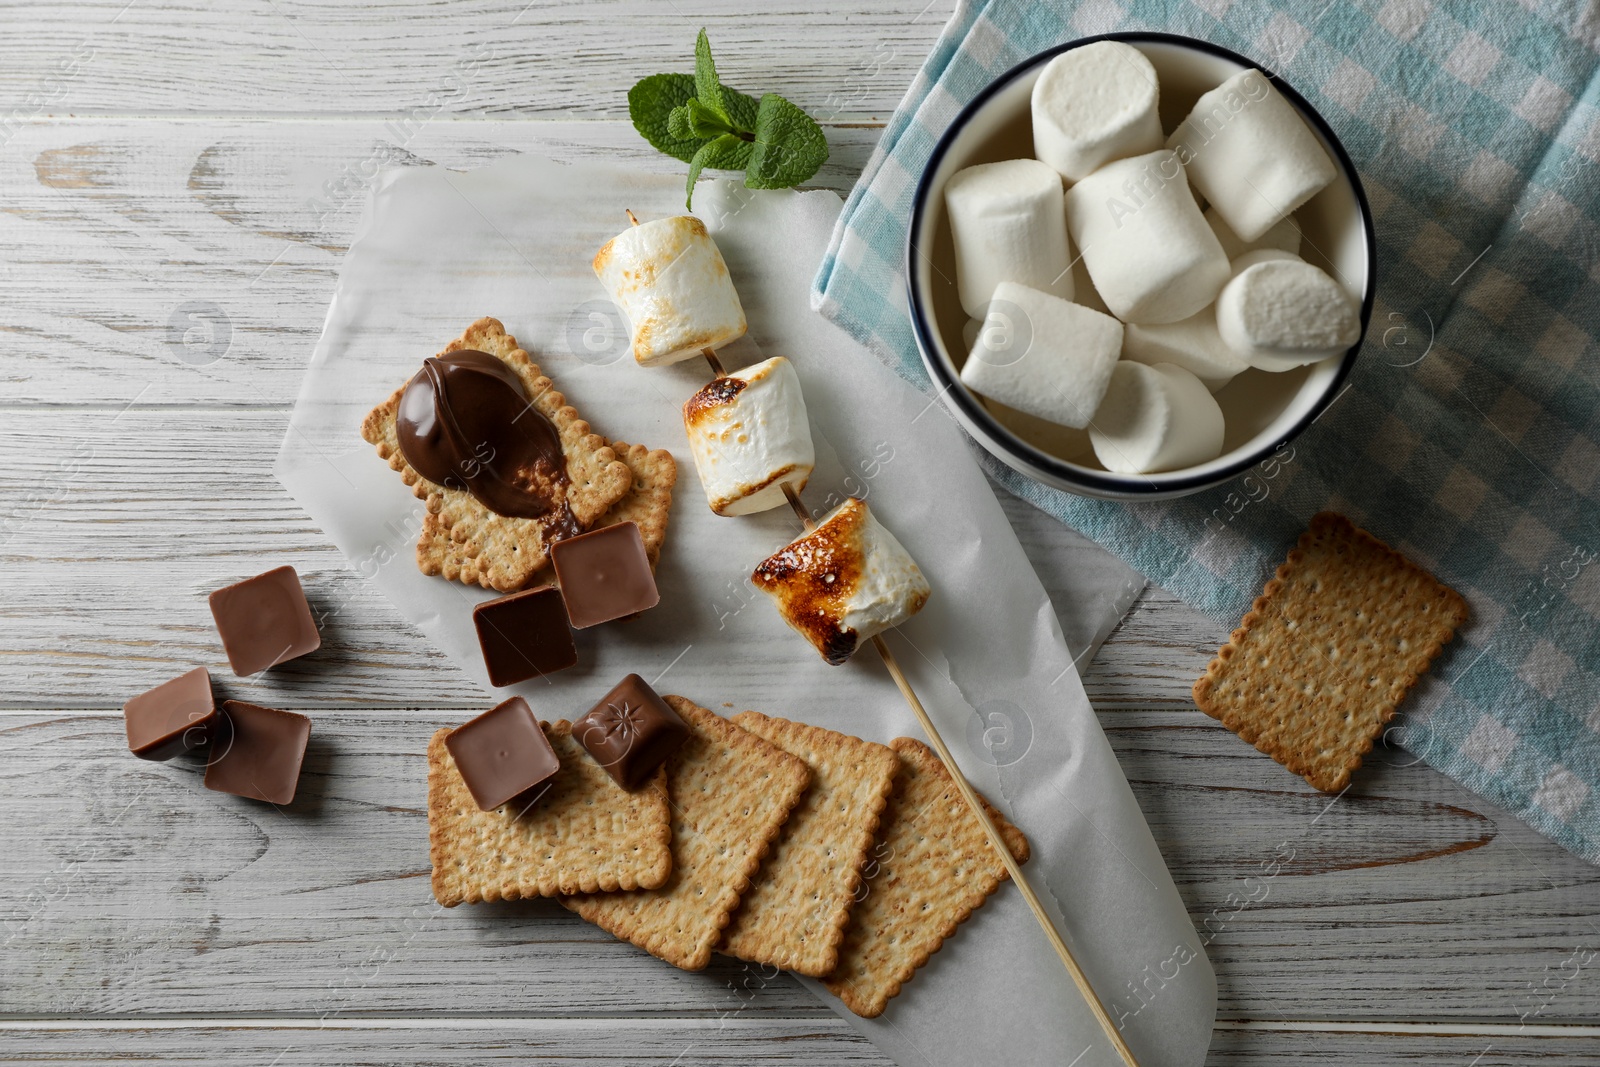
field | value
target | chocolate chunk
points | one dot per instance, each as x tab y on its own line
264	621
524	635
257	752
631	732
172	718
502	753
604	575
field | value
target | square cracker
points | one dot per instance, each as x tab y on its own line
731	792
647	503
1329	650
934	867
583	833
794	912
507	551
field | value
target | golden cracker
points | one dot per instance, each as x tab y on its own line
731	792
1328	651
932	867
647	503
583	833
794	912
505	552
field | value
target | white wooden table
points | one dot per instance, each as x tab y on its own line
165	160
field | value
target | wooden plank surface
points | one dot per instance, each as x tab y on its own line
156	156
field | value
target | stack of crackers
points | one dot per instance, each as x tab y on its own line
772	841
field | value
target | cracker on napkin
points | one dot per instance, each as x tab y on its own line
731	792
1329	650
931	868
647	504
583	833
505	552
794	912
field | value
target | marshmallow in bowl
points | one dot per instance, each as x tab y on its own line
669	278
749	437
1094	104
1148	249
843	582
1009	225
1284	235
1279	312
1250	154
1193	344
1154	419
1043	355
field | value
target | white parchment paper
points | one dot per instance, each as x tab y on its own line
439	249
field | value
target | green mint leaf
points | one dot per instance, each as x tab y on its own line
703	122
789	146
651	103
678	124
741	110
706	87
724	153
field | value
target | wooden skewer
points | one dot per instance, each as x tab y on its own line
968	794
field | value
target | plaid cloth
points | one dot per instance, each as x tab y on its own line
1469	434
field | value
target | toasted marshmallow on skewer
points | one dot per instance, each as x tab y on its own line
1009	224
670	280
1156	418
749	437
844	582
1279	312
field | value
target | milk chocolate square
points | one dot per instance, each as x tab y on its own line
631	732
258	752
524	635
604	574
172	718
264	621
502	754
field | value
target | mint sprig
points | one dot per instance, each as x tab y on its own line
699	120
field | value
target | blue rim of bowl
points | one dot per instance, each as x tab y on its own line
1054	466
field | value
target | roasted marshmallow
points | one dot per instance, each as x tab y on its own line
1193	344
1156	418
843	582
749	437
1147	247
1043	355
1278	312
1250	154
1092	105
1009	225
668	277
1283	236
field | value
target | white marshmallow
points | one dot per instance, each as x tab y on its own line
1250	154
1279	313
1009	225
1193	344
1043	355
1284	235
668	277
1158	418
843	582
1148	249
749	437
1094	104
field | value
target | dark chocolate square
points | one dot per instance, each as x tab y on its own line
264	621
502	753
524	635
631	732
258	752
604	574
172	718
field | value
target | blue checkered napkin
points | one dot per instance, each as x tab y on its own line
1477	134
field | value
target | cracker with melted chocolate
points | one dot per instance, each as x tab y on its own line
508	466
